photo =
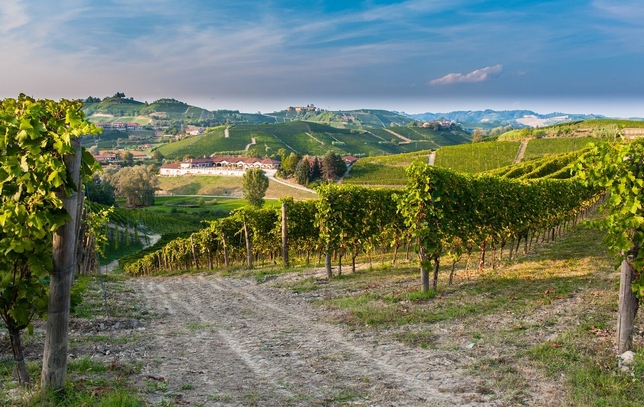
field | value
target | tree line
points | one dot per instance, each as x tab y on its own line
307	169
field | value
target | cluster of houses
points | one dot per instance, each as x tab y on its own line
300	109
442	123
120	126
222	165
226	165
114	158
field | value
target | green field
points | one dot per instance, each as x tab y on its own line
371	174
196	204
212	185
205	144
433	138
540	147
478	157
386	170
132	119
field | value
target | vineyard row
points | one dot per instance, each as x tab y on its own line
440	212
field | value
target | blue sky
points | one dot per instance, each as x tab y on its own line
577	56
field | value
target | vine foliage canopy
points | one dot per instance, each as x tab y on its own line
35	135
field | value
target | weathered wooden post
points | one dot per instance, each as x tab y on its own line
64	255
284	236
628	305
249	247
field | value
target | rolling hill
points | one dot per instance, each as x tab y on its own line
310	138
163	112
167	110
533	158
587	128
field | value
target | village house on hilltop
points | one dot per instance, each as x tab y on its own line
300	109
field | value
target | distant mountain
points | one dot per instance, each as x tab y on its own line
164	112
495	118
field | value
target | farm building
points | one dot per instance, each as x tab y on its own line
234	166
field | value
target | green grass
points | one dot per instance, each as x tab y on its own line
201	185
90	383
87	394
421	339
591	376
220	186
85	365
205	144
194	204
384	170
114	253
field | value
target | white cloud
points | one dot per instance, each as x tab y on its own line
478	75
12	15
624	10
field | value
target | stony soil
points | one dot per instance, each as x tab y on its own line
220	341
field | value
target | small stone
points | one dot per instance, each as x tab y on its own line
627	357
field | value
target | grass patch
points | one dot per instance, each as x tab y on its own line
103	389
85	365
222	398
421	295
590	371
342	396
421	339
87	394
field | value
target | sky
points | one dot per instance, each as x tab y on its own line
576	56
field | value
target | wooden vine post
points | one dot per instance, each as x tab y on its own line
628	305
284	235
249	247
64	247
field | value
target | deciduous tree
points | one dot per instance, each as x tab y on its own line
255	184
136	184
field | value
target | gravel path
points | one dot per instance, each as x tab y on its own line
219	341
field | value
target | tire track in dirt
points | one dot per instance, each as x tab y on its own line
244	343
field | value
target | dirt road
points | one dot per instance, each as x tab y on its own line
218	341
